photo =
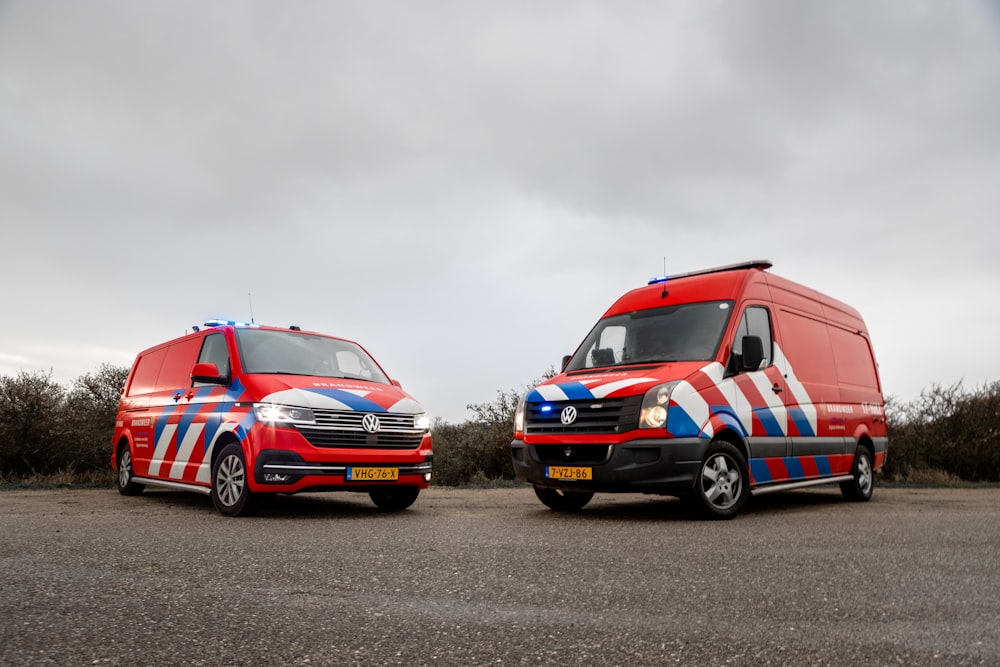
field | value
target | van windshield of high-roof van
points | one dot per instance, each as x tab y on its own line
291	353
684	332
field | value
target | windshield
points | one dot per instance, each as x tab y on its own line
686	332
291	353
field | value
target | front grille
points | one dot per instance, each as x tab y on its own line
342	428
593	416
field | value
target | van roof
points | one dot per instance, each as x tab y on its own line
722	283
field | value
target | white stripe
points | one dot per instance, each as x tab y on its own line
205	468
187	446
691	402
611	387
161	448
551	392
796	389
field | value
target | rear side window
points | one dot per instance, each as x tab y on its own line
146	369
176	371
855	364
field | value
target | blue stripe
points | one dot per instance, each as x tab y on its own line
794	467
798	417
575	391
680	424
726	415
535	397
353	401
161	421
823	466
759	471
767	420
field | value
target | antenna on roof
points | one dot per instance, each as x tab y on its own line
250	299
663	294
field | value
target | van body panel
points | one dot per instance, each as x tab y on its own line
799	417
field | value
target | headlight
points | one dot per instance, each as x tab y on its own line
283	414
422	422
519	416
654	406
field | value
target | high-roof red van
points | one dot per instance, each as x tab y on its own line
234	410
712	386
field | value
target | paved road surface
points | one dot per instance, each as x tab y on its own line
477	577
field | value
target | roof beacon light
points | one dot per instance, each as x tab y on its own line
222	323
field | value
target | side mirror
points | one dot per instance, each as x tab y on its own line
565	362
753	353
208	374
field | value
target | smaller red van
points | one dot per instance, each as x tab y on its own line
234	410
713	386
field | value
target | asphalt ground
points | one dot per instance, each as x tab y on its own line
489	576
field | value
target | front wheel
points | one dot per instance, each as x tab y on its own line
860	488
230	487
563	501
722	488
394	498
126	475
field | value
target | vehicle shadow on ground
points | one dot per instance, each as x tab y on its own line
276	506
669	509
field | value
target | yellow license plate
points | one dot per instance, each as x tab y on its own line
365	474
569	472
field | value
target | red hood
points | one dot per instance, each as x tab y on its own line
331	393
617	382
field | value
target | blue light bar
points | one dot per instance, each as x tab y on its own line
222	323
658	279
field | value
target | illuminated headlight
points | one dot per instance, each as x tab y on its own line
283	414
422	422
519	416
654	406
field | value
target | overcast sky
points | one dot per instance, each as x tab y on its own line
464	187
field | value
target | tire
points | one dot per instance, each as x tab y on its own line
230	484
723	485
563	501
394	498
860	489
126	475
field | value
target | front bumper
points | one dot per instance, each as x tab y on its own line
287	472
664	467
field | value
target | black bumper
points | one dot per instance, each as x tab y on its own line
664	467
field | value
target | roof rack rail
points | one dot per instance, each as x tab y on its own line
752	264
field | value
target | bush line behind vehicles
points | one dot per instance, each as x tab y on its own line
711	386
233	410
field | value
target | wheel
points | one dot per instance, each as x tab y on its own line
563	501
860	488
722	488
125	483
394	498
230	490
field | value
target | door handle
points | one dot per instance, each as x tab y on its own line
776	389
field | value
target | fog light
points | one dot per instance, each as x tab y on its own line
427	477
275	478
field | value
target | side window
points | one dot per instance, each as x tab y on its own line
756	321
609	348
213	351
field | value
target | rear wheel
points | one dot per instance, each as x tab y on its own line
126	475
722	489
563	501
394	498
860	488
230	486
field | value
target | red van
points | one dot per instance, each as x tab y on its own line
234	410
712	386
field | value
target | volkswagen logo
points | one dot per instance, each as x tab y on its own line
371	423
568	415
